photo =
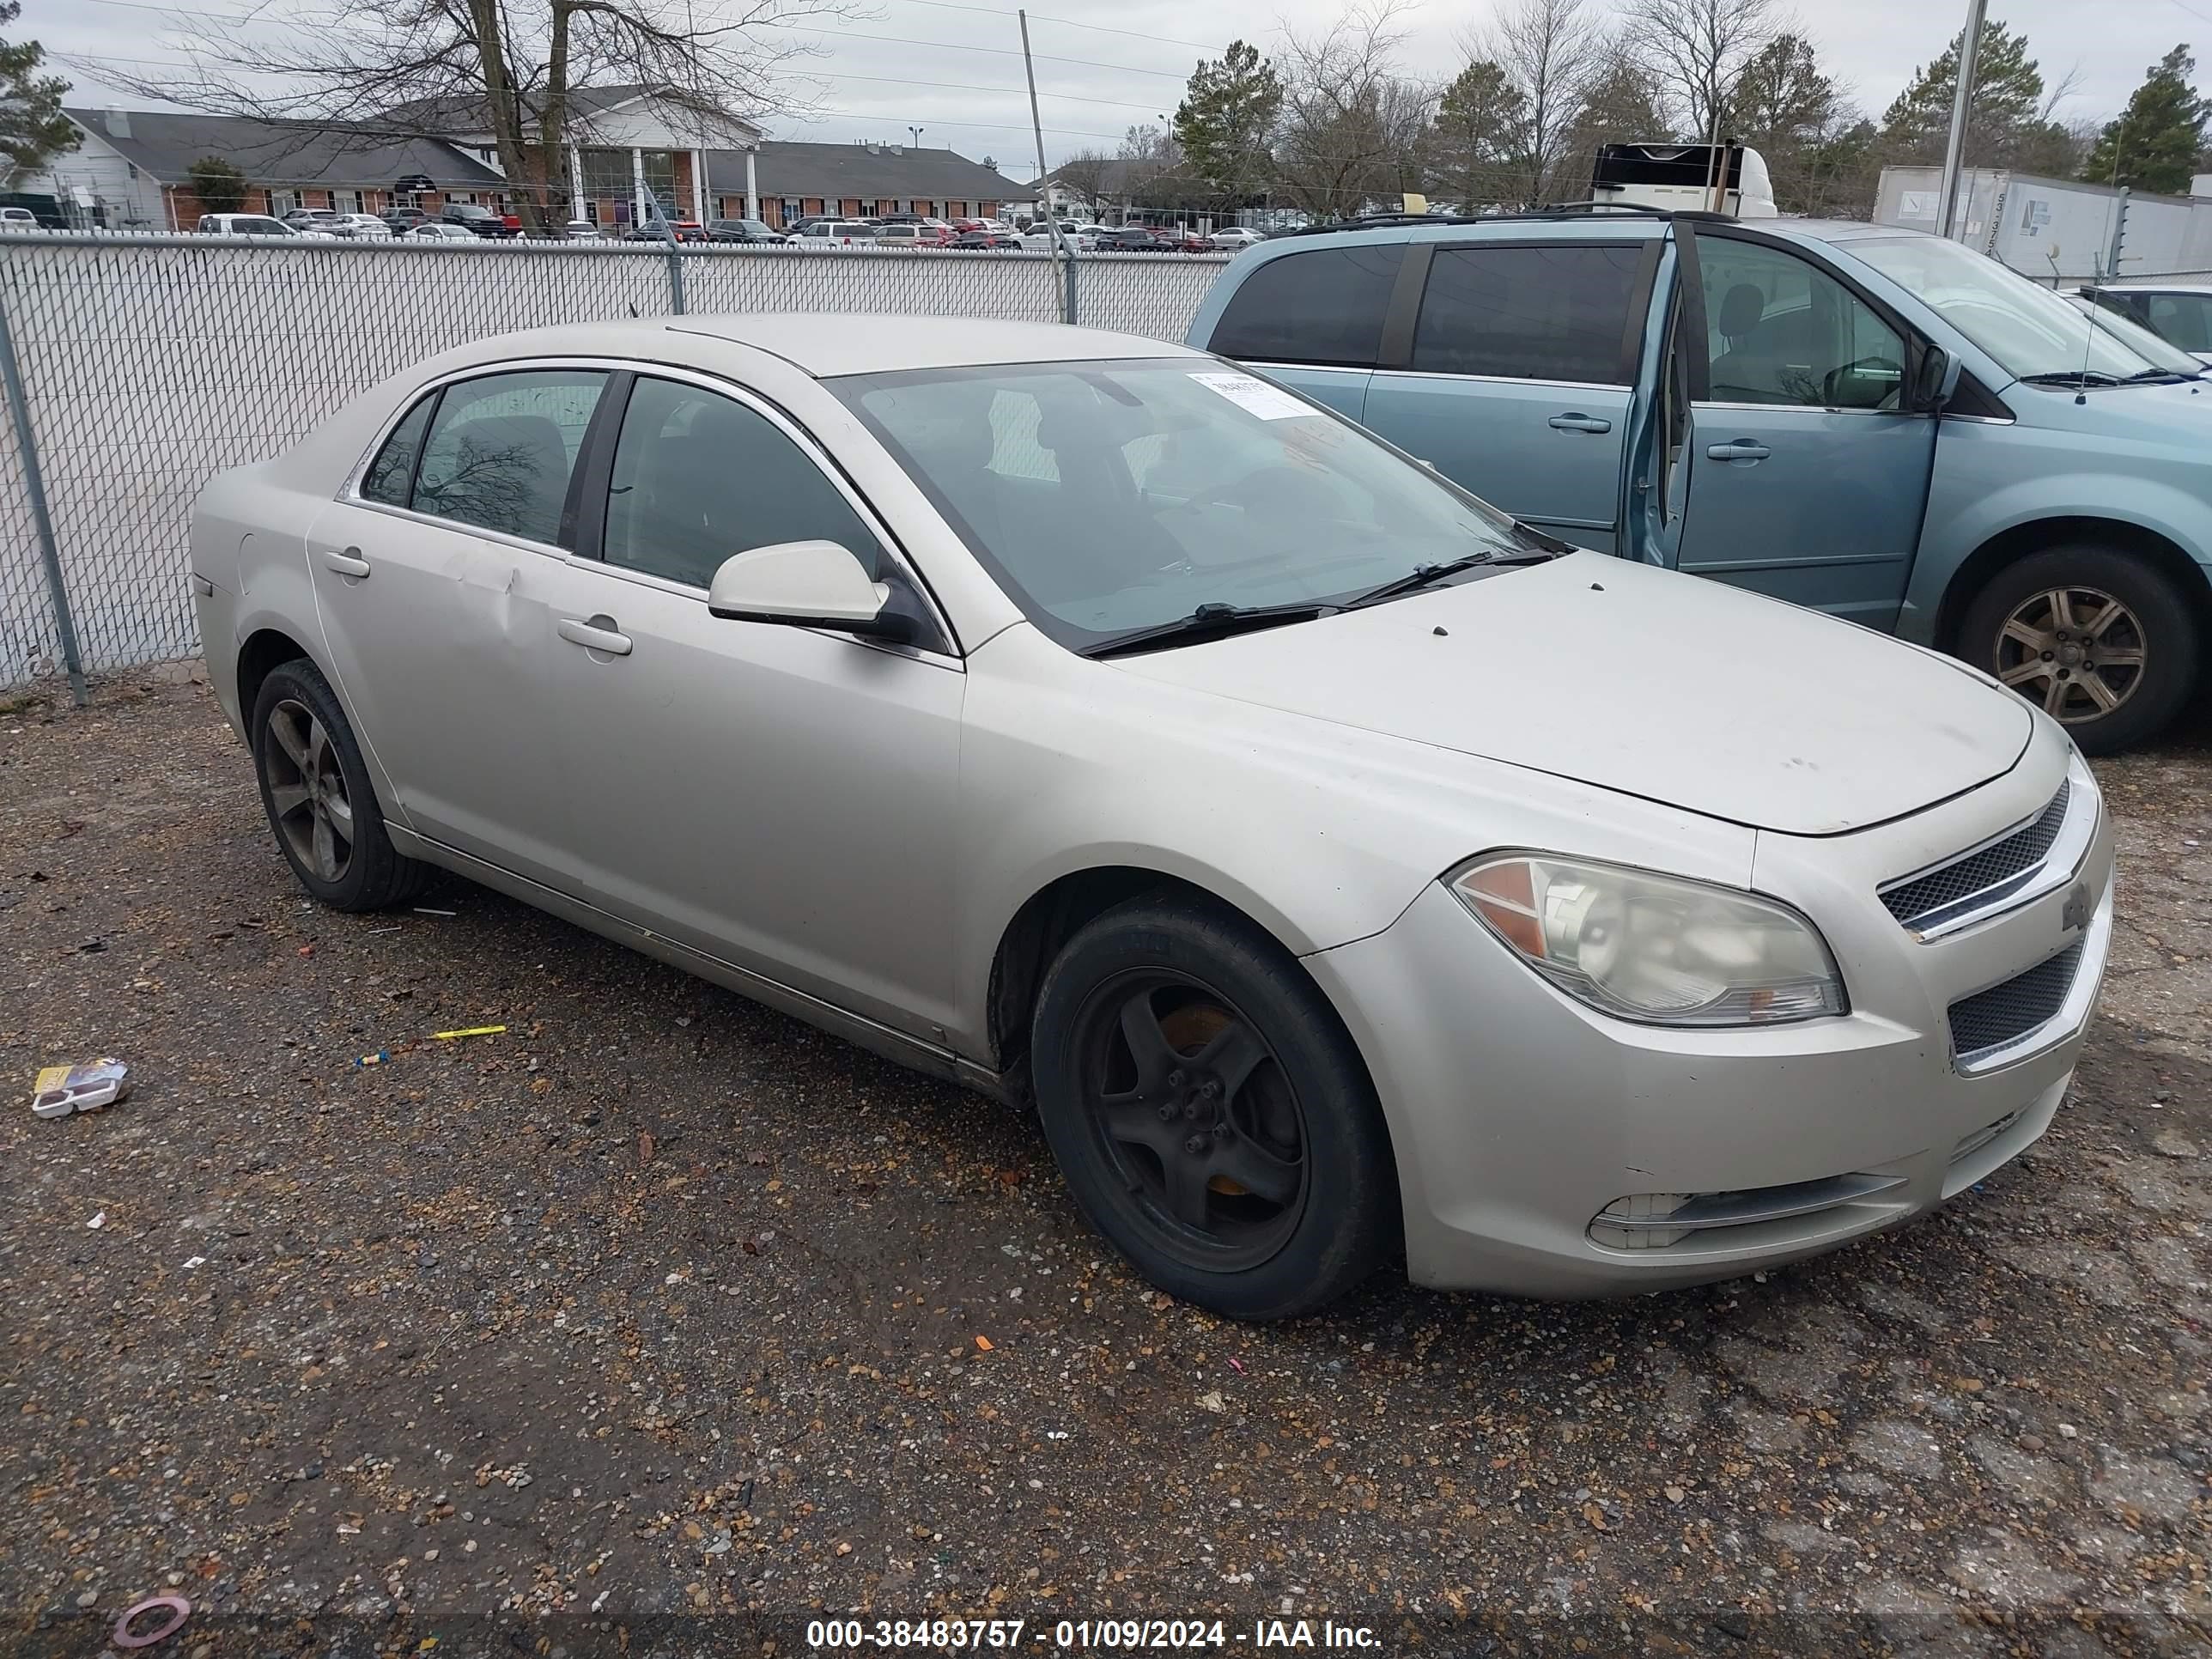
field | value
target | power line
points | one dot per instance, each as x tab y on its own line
962	86
849	35
1067	22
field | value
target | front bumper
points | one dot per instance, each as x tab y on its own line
1518	1114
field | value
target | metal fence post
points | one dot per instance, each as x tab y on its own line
1067	308
34	485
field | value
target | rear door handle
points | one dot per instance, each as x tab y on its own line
1579	422
1746	450
348	564
600	633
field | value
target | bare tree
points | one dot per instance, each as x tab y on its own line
1351	129
1695	52
1550	51
510	69
1084	175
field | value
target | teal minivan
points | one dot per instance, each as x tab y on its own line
1874	422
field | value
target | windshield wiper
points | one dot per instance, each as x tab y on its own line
1210	622
2071	377
2169	374
1427	575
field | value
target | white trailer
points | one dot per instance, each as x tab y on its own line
2055	229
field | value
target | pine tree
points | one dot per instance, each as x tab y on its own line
1477	144
33	128
1222	125
2006	123
2153	143
1791	114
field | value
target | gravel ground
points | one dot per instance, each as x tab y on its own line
660	1323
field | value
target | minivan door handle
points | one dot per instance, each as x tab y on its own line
1749	451
348	564
1577	422
598	634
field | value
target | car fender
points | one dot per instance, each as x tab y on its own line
1979	494
1320	833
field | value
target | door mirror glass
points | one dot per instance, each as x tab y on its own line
811	584
1936	378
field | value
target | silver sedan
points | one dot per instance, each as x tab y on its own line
1340	869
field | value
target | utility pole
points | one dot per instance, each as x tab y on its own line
1954	152
1036	130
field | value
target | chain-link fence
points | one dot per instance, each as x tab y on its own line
147	364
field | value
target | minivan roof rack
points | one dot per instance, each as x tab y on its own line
1554	211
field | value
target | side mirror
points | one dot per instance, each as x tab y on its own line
814	584
1936	378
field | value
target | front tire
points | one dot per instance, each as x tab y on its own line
2100	639
316	793
1210	1113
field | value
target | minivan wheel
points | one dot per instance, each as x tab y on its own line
2098	638
316	793
1210	1113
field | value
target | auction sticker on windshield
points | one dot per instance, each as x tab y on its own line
1255	396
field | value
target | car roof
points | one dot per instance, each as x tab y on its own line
826	345
2147	285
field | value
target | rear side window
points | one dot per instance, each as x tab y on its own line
1529	314
393	471
500	448
1322	306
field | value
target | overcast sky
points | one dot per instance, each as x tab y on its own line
956	71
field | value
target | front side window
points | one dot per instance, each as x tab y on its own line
1324	306
500	448
1530	313
1779	329
2186	319
1109	497
392	474
698	477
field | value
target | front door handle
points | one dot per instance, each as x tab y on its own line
600	633
1577	422
348	564
1747	450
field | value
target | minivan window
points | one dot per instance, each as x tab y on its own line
2186	319
1780	330
1529	314
2028	329
1323	306
500	448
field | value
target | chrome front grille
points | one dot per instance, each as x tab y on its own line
1989	1020
1982	878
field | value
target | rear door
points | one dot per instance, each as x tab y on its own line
1808	473
431	576
1515	374
1314	319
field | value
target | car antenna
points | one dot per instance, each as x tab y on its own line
632	308
2089	339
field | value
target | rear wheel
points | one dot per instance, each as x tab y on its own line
1210	1113
2098	638
316	791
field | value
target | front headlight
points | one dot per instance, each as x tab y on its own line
1654	948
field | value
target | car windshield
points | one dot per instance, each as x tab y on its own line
1110	496
2028	329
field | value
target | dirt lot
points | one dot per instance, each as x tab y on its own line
659	1322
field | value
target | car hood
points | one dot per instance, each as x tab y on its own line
1667	687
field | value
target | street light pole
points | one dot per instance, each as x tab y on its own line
1954	152
917	132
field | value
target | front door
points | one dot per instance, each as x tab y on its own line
782	797
1807	474
1517	382
430	582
